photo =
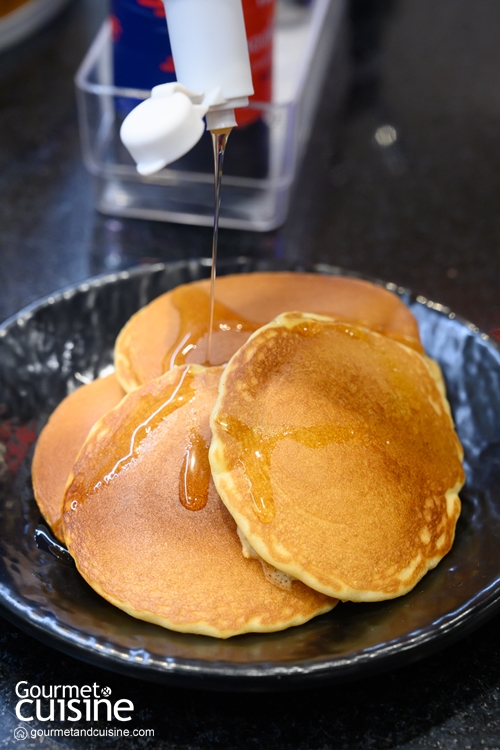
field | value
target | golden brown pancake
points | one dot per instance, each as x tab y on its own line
172	330
61	440
148	531
334	450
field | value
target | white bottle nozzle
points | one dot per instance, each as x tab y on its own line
220	119
210	52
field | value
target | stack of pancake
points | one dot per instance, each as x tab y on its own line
311	459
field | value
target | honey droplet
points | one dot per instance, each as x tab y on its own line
194	478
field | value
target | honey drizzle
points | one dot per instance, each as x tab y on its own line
195	310
127	439
151	410
256	463
194	478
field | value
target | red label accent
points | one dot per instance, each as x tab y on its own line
156	6
496	333
259	24
116	28
168	65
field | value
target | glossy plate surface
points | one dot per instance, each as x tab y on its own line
64	340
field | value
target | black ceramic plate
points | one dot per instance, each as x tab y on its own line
67	339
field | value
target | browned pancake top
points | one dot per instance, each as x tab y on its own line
334	451
147	529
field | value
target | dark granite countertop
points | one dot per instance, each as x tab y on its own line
422	213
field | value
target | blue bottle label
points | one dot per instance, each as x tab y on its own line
142	55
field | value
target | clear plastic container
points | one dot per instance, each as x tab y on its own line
262	158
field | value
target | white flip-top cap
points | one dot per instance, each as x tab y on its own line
163	128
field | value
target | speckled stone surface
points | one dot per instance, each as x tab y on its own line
422	212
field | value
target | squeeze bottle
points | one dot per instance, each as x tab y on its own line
210	53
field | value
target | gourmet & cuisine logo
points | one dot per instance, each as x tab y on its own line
70	703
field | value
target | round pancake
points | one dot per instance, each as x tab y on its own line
148	531
172	330
334	450
60	442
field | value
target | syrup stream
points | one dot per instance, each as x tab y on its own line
219	141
